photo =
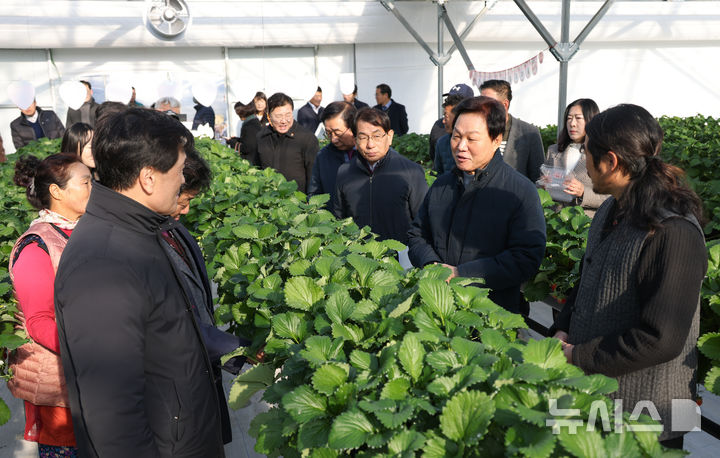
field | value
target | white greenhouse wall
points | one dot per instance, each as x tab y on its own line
662	55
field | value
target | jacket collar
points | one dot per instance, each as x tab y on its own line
332	149
483	176
272	132
121	210
365	167
39	113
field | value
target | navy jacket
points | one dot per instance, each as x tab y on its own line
436	132
444	160
387	199
494	229
325	169
398	117
358	104
203	115
307	118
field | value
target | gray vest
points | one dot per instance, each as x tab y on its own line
607	303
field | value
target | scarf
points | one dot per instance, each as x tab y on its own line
49	216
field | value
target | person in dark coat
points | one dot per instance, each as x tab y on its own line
635	313
285	145
379	188
35	123
395	111
248	132
352	98
310	114
440	127
203	115
139	377
86	112
444	160
522	145
483	219
198	178
338	119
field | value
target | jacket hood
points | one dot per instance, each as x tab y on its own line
121	210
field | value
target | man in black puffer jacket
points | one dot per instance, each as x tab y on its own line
139	378
483	219
379	187
285	145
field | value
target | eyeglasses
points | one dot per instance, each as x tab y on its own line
375	138
330	133
287	117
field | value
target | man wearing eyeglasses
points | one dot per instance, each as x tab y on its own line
337	118
379	187
285	145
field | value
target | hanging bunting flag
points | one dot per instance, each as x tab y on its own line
512	75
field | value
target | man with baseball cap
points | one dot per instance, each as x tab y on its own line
438	129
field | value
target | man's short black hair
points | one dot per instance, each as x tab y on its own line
319	89
130	140
385	89
345	110
87	83
279	99
377	118
502	88
452	100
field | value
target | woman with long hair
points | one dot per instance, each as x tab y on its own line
260	102
59	187
568	155
634	314
78	140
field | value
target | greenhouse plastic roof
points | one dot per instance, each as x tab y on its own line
101	24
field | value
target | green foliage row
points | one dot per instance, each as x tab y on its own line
374	361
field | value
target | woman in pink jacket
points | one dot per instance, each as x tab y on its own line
59	187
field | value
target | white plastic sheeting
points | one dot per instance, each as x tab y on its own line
238	23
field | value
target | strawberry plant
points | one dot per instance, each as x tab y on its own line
415	147
567	231
373	360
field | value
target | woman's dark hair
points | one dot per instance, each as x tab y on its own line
76	137
136	138
37	176
278	100
589	110
196	172
371	116
345	110
636	138
243	110
490	109
260	95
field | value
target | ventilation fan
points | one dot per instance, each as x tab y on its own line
167	19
